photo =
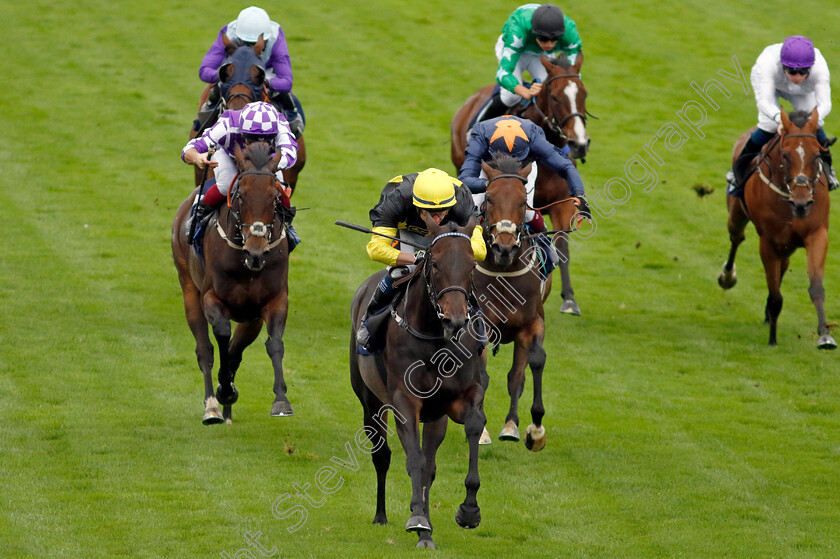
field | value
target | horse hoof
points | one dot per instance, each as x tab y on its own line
418	523
826	342
380	519
468	517
727	281
510	432
227	399
570	306
426	544
535	439
212	417
485	437
281	408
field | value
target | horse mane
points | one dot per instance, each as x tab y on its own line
505	163
259	153
799	118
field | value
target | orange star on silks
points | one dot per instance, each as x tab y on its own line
509	129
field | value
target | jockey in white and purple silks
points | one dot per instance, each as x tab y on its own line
246	29
792	70
256	122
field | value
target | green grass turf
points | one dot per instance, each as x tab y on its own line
673	430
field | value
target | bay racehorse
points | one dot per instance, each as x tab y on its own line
512	290
560	109
787	201
243	277
430	371
241	81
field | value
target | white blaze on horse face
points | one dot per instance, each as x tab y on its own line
801	152
571	92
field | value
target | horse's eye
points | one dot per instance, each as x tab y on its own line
434	265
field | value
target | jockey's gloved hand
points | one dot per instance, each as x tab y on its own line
419	256
584	206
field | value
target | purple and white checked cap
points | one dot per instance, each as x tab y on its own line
260	118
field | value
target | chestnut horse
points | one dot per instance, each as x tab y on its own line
560	109
243	277
241	81
787	201
512	290
429	371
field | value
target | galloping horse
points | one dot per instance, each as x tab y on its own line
511	272
241	81
430	371
560	109
787	201
242	278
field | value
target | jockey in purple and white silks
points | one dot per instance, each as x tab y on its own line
256	122
796	71
251	24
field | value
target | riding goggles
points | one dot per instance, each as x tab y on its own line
797	71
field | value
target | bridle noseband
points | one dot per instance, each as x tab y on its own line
506	225
258	228
799	180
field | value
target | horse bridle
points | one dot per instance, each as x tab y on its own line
552	123
258	228
434	296
506	225
799	180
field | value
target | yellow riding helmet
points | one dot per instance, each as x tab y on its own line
434	190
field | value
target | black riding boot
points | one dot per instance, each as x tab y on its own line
200	212
832	177
742	164
378	302
493	109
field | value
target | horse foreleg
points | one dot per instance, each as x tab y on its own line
773	272
516	385
216	315
203	348
433	434
415	463
274	315
736	224
816	247
469	514
535	438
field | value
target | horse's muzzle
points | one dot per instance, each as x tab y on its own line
577	149
503	255
801	208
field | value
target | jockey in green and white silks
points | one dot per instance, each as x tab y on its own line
531	31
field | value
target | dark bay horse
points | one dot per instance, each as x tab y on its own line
430	371
243	278
787	201
560	109
512	289
241	81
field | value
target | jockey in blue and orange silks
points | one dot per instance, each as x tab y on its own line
526	142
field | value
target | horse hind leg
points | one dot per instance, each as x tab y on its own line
569	305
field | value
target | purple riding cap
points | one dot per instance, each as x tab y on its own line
797	52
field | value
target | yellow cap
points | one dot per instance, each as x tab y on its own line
434	190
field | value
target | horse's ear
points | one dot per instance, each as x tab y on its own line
228	44
488	170
274	164
547	63
814	119
239	156
470	227
259	46
578	63
433	227
786	123
525	171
